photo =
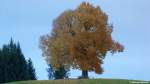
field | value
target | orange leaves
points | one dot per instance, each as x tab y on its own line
84	5
80	38
117	47
91	52
99	70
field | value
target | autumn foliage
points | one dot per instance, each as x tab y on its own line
80	39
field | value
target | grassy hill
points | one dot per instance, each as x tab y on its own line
83	81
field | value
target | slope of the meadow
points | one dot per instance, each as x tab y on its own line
83	81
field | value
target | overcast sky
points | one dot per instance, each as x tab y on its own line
26	20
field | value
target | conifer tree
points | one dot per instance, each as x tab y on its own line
59	73
22	64
50	72
13	65
31	70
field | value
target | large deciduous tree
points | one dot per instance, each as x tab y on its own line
80	38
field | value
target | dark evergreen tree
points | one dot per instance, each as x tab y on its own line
59	73
31	70
13	65
50	71
5	64
1	66
6	67
22	65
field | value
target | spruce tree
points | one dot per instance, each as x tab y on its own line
13	65
1	67
5	64
22	65
31	70
59	73
50	71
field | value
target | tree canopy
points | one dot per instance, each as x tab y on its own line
80	38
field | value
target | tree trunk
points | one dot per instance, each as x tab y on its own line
85	74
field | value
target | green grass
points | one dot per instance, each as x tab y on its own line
83	81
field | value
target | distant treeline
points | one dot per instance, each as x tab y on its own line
13	65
